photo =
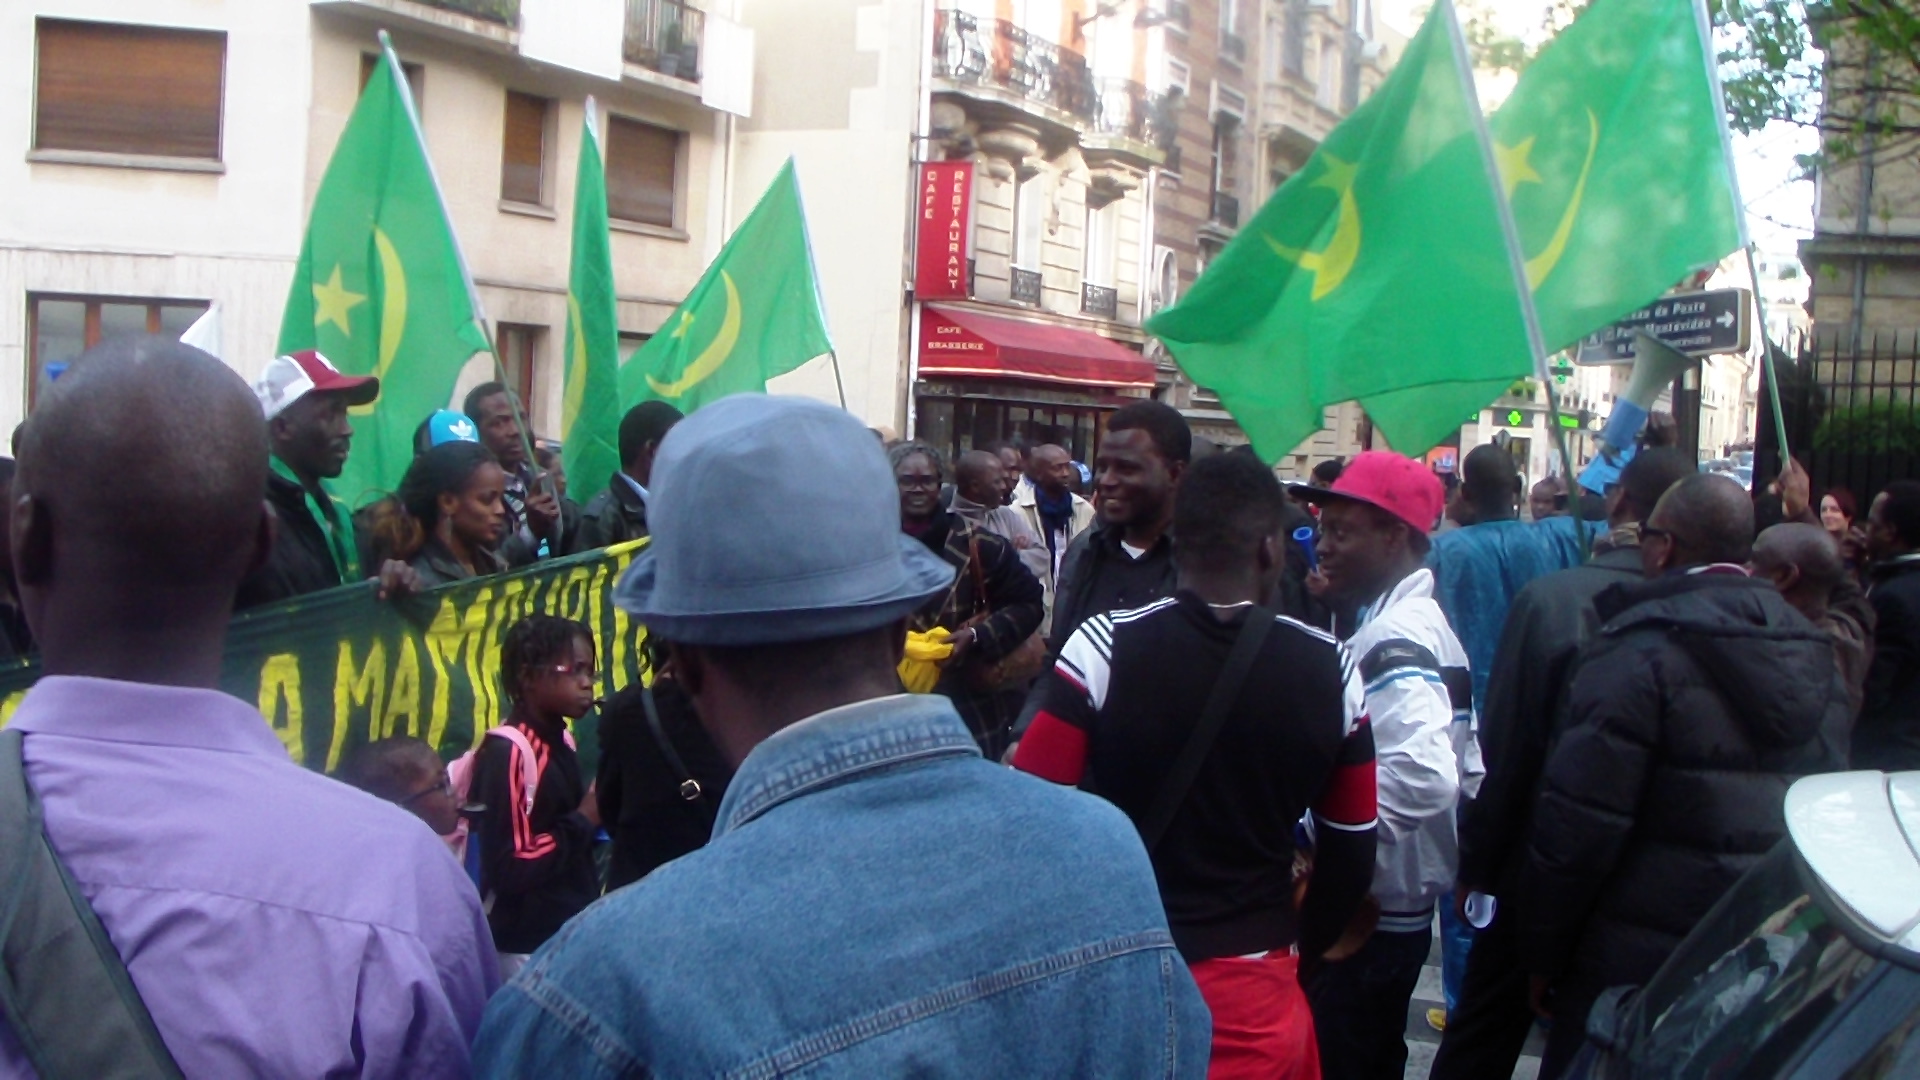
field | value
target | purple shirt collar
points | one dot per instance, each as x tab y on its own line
112	710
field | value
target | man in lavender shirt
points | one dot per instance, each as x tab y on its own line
276	923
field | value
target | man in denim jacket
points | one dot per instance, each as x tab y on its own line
877	900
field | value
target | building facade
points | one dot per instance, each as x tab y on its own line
168	151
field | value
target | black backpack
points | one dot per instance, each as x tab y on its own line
63	988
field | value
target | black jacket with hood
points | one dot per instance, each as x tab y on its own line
1703	698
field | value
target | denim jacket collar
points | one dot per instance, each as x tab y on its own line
839	744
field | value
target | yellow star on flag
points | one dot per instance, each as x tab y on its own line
332	301
1514	167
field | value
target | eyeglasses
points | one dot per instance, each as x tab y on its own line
1648	530
583	670
443	786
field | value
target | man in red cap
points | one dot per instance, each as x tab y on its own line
305	400
1374	522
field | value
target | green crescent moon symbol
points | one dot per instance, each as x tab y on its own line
714	355
393	307
576	392
1331	264
1541	265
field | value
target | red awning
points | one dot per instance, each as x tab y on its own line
957	342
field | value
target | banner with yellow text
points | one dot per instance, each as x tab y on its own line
334	670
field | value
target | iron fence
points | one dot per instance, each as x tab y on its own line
664	36
997	53
1852	412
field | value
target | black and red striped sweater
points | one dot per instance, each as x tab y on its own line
1125	694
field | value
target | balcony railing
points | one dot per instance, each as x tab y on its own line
1024	286
663	36
1233	47
996	53
1101	300
504	12
1225	210
1128	110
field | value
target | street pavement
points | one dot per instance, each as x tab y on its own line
1422	1040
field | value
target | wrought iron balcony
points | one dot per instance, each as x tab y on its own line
1225	210
1233	47
1127	110
1101	300
504	12
996	53
663	36
1024	286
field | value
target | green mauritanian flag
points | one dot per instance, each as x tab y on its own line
1613	152
1383	265
381	288
756	313
590	413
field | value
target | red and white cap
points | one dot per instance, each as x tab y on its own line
289	378
1401	486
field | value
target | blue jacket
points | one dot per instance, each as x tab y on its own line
877	901
1479	569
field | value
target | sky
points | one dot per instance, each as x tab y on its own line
1779	204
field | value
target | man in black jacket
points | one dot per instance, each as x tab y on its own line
305	400
1126	559
619	513
1701	700
1888	736
1550	621
661	779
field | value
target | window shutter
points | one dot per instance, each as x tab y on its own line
116	89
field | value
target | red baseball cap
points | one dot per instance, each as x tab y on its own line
289	378
1401	486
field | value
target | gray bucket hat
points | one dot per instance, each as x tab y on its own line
774	520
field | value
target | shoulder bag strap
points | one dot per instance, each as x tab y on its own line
690	789
63	988
1226	690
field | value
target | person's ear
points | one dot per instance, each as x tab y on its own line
1175	469
1785	577
448	502
266	533
32	541
1270	553
689	668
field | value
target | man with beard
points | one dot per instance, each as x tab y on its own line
305	400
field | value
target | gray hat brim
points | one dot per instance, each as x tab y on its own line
926	576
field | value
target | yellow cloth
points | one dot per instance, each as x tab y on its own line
920	668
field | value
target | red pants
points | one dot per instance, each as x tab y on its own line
1261	1026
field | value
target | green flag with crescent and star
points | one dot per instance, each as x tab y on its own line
590	409
381	288
756	313
1611	149
1384	264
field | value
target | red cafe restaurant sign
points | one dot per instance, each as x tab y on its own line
946	200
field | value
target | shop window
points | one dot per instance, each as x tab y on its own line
524	149
643	172
60	328
110	88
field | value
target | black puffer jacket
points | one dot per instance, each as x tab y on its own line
1704	697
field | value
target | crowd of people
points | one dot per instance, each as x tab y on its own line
944	768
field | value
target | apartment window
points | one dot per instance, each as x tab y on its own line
523	149
114	89
60	328
1327	93
1100	245
1229	16
415	73
1293	52
643	171
1029	221
630	344
519	347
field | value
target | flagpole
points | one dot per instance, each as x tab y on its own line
838	386
1516	260
1766	358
